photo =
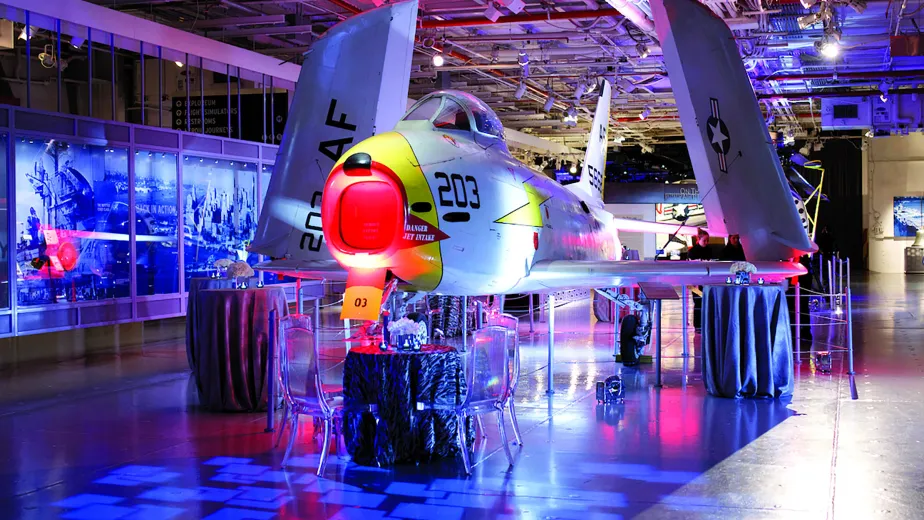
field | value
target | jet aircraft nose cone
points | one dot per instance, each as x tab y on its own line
358	161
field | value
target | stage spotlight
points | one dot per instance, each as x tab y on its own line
573	169
521	90
884	92
523	61
829	49
179	63
570	118
438	60
808	3
808	20
619	139
642	50
645	114
77	42
549	103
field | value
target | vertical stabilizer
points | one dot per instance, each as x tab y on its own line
590	186
736	166
353	84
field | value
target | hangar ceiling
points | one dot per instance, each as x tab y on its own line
536	61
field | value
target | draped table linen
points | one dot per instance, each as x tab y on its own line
231	345
396	381
747	343
196	285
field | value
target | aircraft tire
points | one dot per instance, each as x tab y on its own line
629	349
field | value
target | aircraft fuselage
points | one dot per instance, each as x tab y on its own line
476	219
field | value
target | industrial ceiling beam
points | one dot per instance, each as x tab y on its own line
520	18
266	19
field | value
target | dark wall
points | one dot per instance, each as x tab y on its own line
842	160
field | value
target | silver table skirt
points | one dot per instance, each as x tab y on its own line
231	343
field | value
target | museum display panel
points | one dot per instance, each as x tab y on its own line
219	213
156	223
72	222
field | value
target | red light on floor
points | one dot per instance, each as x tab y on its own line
536	240
369	215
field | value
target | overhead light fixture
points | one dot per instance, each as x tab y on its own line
492	13
570	118
828	47
619	139
523	61
549	103
807	21
77	42
521	90
179	63
438	60
515	6
27	32
645	114
884	92
573	169
642	50
808	3
869	133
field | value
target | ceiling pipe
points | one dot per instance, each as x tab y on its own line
519	18
635	15
348	7
843	93
869	74
560	36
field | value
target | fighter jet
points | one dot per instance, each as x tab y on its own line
434	200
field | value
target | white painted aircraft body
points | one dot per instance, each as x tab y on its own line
438	202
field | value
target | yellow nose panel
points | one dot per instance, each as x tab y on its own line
420	266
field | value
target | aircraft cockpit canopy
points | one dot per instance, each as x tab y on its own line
455	110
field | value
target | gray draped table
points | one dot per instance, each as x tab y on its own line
231	344
196	285
747	343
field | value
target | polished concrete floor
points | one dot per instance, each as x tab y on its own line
123	437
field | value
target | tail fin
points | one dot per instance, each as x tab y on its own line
735	163
353	82
590	186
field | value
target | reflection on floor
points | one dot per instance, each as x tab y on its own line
139	447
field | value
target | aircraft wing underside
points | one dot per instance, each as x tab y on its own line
569	274
306	269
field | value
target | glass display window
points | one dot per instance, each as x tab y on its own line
72	222
157	263
219	213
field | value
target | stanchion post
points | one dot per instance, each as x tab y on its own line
798	307
549	389
464	323
542	308
298	296
685	310
316	325
479	319
831	284
615	315
849	324
271	374
658	343
532	313
347	333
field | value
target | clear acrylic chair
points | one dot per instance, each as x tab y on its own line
486	387
512	325
303	390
